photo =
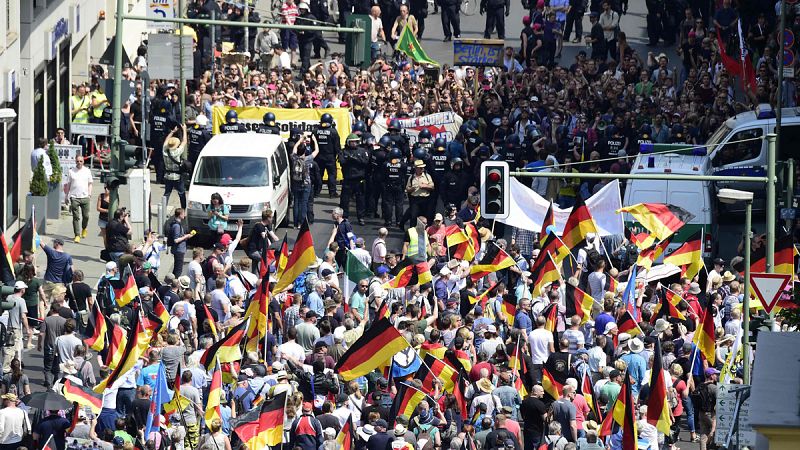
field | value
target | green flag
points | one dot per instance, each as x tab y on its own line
354	271
409	45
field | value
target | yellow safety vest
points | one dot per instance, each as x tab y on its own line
413	244
98	111
77	102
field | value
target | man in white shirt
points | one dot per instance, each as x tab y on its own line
40	152
16	319
542	344
378	35
379	247
14	423
361	254
78	189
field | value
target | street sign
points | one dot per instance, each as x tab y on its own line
788	58
108	55
788	38
733	416
89	129
66	157
768	287
478	52
160	9
163	53
788	213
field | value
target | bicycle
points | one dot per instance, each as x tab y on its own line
469	7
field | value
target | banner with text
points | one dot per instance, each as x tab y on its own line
478	52
441	125
304	119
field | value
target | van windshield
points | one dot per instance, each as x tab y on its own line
715	138
232	171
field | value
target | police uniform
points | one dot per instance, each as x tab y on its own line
236	127
437	168
376	176
329	148
267	129
198	137
355	162
395	181
161	124
400	141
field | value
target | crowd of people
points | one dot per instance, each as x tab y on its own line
537	111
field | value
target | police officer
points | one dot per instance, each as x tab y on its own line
399	140
355	161
494	17
199	136
395	176
329	148
269	126
437	168
378	156
232	124
610	144
161	123
424	140
306	38
678	136
319	8
359	128
513	151
456	182
645	137
451	17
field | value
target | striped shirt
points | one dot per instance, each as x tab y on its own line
289	13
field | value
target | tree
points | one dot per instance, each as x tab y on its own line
55	178
38	186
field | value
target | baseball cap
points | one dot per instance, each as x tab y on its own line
20	285
225	239
711	371
382	270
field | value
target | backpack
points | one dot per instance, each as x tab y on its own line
706	402
299	169
167	231
208	266
672	395
425	439
593	259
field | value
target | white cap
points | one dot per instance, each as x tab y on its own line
111	265
444	271
20	285
303	5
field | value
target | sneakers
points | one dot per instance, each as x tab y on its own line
77	239
84	233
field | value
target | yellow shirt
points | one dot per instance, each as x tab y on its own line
77	102
98	110
414	184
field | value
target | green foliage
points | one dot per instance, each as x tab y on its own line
38	186
791	316
55	178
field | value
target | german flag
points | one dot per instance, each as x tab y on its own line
550	312
578	225
302	256
406	401
648	256
6	262
549	220
466	306
413	274
433	369
622	414
493	260
668	307
213	409
705	338
784	257
126	290
611	283
689	255
96	329
226	349
344	439
82	395
138	342
263	426
459	360
437	350
379	343
551	386
49	444
116	341
509	308
555	247
642	241
257	313
519	368
588	394
579	303
24	239
463	244
627	324
384	311
178	404
160	311
658	412
210	318
281	260
662	220
543	272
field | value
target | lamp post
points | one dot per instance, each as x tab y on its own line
734	196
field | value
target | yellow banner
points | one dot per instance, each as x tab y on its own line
304	119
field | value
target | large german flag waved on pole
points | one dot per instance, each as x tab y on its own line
587	391
96	329
125	290
509	308
543	272
579	224
705	339
262	426
493	260
257	313
784	257
668	307
661	220
621	414
6	262
213	409
549	220
640	240
25	238
555	247
658	412
464	244
378	343
579	303
648	256
301	257
627	324
689	256
160	311
406	401
82	395
345	438
138	342
433	368
226	349
552	387
437	350
116	341
413	274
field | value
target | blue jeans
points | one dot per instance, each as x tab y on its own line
125	398
300	206
688	406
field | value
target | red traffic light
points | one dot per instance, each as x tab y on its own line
494	176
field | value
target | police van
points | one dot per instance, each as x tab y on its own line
693	196
739	147
251	173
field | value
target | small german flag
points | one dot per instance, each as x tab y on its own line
345	439
543	272
263	426
668	307
226	349
433	369
213	409
406	401
662	220
627	324
434	349
549	220
283	256
622	414
82	395
116	340
611	284
459	360
658	411
257	313
689	255
493	260
210	319
6	262
551	386
579	303
509	308
705	338
588	394
301	257
161	312
555	247
378	344
466	306
413	274
648	256
579	224
463	244
550	312
642	241
96	329
24	239
127	290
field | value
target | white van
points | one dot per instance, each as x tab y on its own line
251	173
693	196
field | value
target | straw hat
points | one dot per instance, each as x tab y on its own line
173	143
485	385
591	425
661	325
68	368
636	345
727	277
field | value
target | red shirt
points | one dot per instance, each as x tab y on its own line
475	373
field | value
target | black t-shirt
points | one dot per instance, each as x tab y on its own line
141	406
257	242
117	236
80	292
532	409
273	308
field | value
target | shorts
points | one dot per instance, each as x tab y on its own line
102	224
289	40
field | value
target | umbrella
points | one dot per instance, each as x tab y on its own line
47	401
658	272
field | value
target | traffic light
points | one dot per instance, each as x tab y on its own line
495	190
126	158
112	178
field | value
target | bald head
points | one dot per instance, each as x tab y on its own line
375	11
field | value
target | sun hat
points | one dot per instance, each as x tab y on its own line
636	345
419	163
694	288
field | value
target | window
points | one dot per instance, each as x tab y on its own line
742	146
790	136
232	171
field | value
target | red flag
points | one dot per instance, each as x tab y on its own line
731	65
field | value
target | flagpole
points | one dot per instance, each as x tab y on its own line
605	251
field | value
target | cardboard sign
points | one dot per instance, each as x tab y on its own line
478	52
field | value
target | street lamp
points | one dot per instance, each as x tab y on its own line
731	196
